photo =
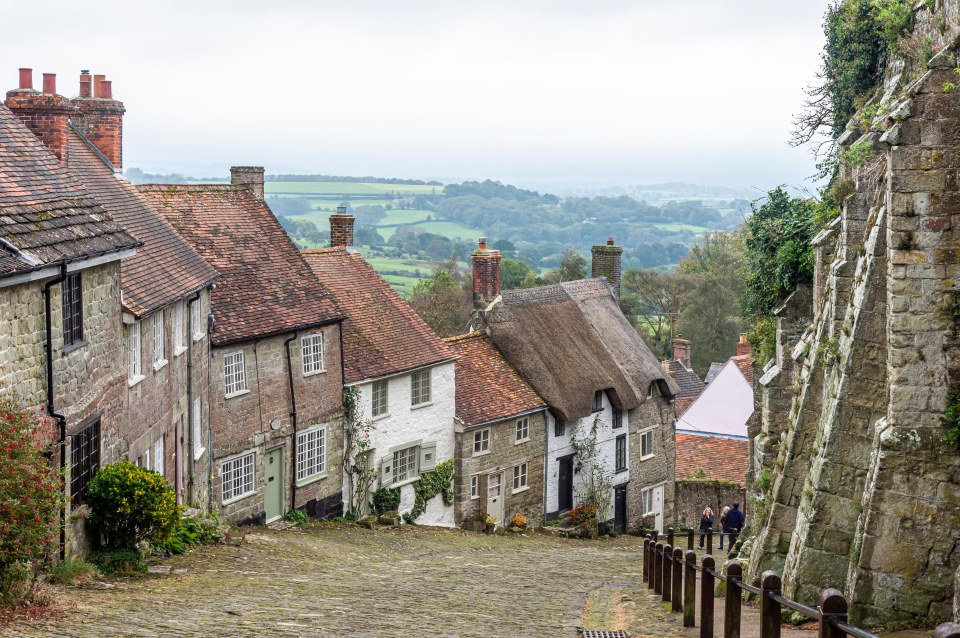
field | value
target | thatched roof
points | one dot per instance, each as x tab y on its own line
570	340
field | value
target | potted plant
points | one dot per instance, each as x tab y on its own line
476	521
518	523
491	523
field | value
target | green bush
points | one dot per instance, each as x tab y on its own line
131	504
118	561
295	516
200	530
386	500
16	582
72	572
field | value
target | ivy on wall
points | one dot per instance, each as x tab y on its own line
437	481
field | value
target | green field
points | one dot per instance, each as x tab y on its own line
347	188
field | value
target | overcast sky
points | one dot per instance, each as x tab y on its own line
529	92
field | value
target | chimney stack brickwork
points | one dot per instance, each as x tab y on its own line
47	115
681	351
606	263
251	176
486	274
100	118
341	229
743	347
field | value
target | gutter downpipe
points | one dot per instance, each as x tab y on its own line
343	385
293	421
191	443
51	410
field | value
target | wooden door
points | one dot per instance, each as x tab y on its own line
565	484
273	485
620	509
658	506
495	496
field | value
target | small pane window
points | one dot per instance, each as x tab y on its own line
646	443
237	477
481	441
405	463
474	486
559	427
234	374
159	338
196	321
378	400
646	501
158	456
178	346
617	418
598	400
84	461
311	347
197	428
621	452
311	453
519	477
72	309
133	351
420	387
523	429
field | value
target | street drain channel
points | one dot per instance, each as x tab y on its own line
602	633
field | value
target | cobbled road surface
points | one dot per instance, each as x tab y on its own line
326	580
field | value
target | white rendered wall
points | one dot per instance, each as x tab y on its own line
404	423
607	450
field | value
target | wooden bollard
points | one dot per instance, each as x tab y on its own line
731	609
706	598
667	589
689	539
676	596
710	542
646	557
652	563
658	569
832	605
670	536
770	609
947	630
690	590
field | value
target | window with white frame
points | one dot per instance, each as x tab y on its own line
198	448
646	501
378	398
311	348
159	340
133	352
420	387
523	430
646	444
178	345
481	441
196	320
405	463
475	486
520	477
311	452
158	456
237	477
234	373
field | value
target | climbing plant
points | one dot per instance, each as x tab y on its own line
356	447
596	479
951	417
439	480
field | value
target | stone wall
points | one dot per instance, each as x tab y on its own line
259	420
693	495
656	414
505	454
861	491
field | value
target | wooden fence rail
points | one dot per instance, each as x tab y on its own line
672	573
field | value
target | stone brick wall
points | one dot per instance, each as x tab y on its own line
341	229
656	414
259	420
692	495
606	263
504	455
486	274
46	115
101	121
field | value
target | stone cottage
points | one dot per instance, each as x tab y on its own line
403	372
572	344
276	379
61	329
501	436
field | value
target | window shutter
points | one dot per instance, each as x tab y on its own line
386	471
428	456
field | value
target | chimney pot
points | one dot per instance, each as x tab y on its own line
482	244
26	78
341	210
106	90
743	346
681	351
50	83
97	79
609	241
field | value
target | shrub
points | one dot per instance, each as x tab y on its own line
295	516
200	530
131	504
124	560
386	500
72	572
518	520
583	513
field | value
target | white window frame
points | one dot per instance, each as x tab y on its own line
235	382
159	341
311	454
197	425
159	456
245	463
311	359
647	435
196	321
380	398
646	496
411	453
481	437
418	396
179	347
522	430
474	486
520	478
134	362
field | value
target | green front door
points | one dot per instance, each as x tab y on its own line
273	492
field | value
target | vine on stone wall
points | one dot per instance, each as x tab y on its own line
437	481
951	417
357	444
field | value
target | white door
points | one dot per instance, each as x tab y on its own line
495	496
658	506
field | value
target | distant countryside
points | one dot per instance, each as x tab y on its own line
406	227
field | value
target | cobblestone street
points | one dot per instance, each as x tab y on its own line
346	581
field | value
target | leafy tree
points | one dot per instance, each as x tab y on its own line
368	236
653	301
444	301
572	267
513	272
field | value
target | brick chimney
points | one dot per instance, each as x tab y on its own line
251	176
341	228
743	347
486	274
100	117
681	351
606	263
45	113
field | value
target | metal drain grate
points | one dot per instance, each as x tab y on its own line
601	633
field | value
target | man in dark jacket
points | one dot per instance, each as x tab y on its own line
735	518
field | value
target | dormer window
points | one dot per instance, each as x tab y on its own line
598	401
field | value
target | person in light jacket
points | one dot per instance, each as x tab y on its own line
724	527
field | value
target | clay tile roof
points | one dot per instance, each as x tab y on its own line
719	458
265	286
569	340
745	363
165	268
712	373
488	388
682	403
46	216
382	335
690	384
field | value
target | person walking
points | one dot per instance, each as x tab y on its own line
736	519
724	527
706	524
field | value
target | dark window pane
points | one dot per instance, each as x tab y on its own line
72	309
84	462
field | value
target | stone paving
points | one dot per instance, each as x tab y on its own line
325	580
